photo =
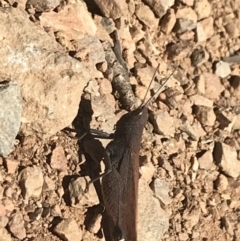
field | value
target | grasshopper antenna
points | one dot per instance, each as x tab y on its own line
159	89
154	75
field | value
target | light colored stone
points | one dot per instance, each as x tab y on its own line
205	29
186	13
144	75
206	161
8	206
56	211
16	225
188	35
161	190
73	20
182	25
221	183
183	236
201	84
2	210
105	86
29	54
201	100
153	221
202	8
31	182
3	221
5	236
12	165
226	157
163	123
68	230
140	92
49	184
222	69
147	171
213	86
146	16
136	33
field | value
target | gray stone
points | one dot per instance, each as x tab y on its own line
199	57
43	5
146	16
205	29
161	190
153	221
10	116
183	25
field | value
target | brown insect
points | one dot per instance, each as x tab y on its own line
120	180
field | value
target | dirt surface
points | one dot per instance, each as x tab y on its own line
191	142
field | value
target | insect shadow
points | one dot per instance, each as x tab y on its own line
91	167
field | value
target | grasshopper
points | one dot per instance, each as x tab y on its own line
121	176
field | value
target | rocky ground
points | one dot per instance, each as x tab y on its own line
58	70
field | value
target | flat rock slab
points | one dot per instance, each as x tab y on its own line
153	221
51	81
10	115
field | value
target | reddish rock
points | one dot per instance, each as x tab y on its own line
58	159
74	19
12	165
213	86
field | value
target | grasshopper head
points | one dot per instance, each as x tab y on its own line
136	117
